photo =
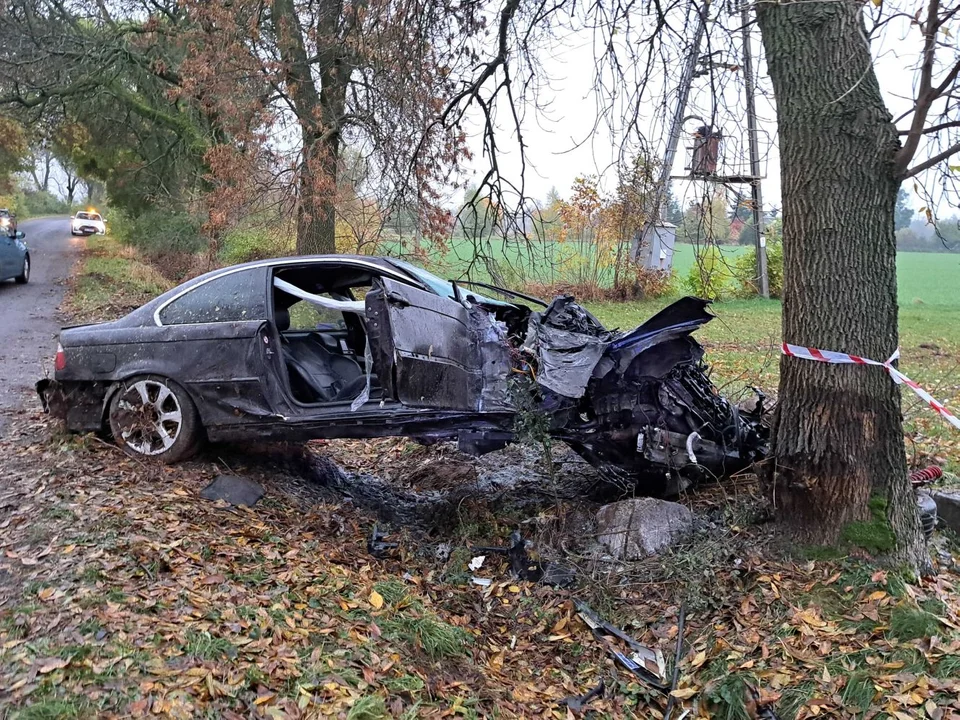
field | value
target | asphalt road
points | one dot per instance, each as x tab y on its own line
28	313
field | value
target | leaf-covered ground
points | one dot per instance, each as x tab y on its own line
124	594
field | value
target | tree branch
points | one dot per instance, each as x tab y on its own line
925	96
929	163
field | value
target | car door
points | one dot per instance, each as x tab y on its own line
211	334
424	351
9	257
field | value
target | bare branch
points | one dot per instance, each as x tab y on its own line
930	162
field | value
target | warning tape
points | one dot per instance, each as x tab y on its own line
838	358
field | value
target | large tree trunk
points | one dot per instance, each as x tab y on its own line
320	115
838	434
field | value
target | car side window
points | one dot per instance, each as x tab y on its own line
230	298
307	316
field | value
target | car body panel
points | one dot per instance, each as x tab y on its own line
638	405
13	252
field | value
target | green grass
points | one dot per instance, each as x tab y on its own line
112	278
435	637
908	623
369	707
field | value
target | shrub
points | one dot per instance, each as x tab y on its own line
159	233
42	203
745	272
710	275
244	244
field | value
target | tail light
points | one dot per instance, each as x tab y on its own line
60	361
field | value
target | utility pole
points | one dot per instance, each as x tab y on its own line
660	193
754	152
683	95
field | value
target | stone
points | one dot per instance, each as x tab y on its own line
234	490
948	508
640	527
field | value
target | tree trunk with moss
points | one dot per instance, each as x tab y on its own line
838	437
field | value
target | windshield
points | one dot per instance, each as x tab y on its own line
83	216
438	285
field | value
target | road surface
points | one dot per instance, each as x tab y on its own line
28	313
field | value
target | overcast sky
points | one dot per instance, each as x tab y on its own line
565	140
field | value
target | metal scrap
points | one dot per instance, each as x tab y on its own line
526	568
644	662
376	545
577	703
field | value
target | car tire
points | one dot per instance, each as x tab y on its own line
24	277
153	417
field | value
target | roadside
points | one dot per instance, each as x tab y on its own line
124	593
31	312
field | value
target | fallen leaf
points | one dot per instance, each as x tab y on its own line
376	599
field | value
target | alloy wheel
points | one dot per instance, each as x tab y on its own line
149	416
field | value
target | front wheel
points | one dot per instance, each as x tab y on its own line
154	417
24	277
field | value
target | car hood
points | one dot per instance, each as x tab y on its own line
572	347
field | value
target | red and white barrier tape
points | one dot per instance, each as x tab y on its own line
838	358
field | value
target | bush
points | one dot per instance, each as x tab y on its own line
160	233
710	275
640	283
244	244
38	202
745	271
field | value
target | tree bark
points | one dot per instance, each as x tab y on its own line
320	114
838	433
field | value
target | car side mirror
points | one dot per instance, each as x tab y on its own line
19	235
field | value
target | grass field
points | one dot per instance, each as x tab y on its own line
743	345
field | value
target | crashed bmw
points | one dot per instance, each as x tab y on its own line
358	347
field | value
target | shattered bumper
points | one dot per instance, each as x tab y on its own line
78	405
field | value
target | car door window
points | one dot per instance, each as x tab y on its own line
306	316
235	297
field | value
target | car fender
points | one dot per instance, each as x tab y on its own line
115	386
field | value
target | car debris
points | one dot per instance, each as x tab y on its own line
758	707
677	654
526	568
645	663
376	545
577	703
338	346
234	490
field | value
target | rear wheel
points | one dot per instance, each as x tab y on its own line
24	277
152	416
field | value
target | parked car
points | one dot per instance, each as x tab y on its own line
87	223
14	257
8	222
357	347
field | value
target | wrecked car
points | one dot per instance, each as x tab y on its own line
357	347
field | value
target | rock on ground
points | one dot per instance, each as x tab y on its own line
234	490
639	527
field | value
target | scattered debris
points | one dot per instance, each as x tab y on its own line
928	475
677	654
758	706
482	582
234	490
948	508
636	528
477	563
526	568
376	545
646	663
577	703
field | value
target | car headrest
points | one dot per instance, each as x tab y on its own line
281	317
